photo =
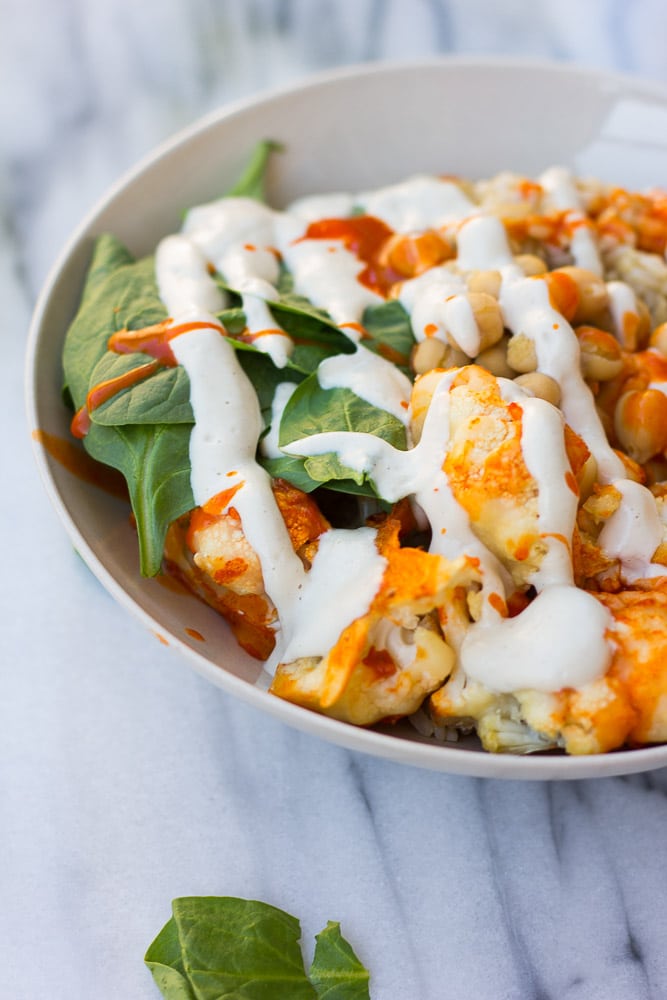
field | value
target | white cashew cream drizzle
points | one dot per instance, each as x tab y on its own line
243	240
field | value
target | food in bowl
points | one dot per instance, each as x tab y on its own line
409	442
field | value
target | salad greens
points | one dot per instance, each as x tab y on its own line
131	432
143	428
225	948
252	181
314	410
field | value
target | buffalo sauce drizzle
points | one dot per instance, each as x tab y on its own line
365	236
155	341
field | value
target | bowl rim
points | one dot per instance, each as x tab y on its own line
431	756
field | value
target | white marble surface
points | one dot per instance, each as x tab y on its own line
125	779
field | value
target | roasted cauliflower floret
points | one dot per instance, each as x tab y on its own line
388	660
208	549
486	467
625	707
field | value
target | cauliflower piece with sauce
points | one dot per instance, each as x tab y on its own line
209	551
627	706
486	467
389	659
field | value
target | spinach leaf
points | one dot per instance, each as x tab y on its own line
155	460
162	398
390	332
298	317
291	468
143	430
264	376
295	471
304	322
125	297
252	181
224	948
336	972
130	432
328	468
233	320
237	949
313	410
165	960
108	255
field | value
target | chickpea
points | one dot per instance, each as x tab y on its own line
563	292
530	264
542	386
422	394
635	327
640	422
411	255
593	295
601	358
485	281
428	354
454	357
521	354
494	359
488	318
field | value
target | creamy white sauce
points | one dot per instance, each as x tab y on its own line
229	224
265	333
327	273
223	442
344	578
633	532
426	299
281	397
622	303
322	206
417	203
182	278
420	471
556	642
370	377
543	448
584	249
560	187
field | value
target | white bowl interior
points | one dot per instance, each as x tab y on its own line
349	131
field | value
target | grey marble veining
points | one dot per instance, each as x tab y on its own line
125	779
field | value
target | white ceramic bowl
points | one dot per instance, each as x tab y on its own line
353	130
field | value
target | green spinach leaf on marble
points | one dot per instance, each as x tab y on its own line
225	948
336	972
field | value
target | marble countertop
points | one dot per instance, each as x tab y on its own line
127	780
